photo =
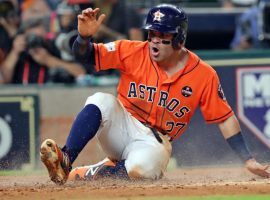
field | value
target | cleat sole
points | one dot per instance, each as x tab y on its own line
49	156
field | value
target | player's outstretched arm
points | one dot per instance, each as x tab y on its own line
231	131
88	23
256	168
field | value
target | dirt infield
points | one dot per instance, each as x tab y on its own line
181	182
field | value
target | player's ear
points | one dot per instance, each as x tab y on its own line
180	45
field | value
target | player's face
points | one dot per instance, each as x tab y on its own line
160	45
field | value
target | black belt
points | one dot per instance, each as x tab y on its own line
155	132
159	139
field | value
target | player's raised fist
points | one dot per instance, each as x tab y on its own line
88	23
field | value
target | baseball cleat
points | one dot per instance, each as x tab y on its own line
56	161
90	172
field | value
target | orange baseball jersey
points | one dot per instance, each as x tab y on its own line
153	98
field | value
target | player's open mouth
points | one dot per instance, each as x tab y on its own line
155	51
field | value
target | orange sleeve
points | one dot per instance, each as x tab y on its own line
112	55
214	105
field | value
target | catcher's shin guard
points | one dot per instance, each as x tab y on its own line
56	161
104	169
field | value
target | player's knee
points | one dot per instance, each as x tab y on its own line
141	172
98	97
102	100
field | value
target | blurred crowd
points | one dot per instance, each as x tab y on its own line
252	29
37	35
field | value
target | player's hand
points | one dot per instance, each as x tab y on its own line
256	168
88	24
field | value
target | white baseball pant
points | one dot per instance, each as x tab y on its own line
122	136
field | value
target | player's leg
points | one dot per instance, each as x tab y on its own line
144	161
144	157
101	112
113	137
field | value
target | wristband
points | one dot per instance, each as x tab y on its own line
238	145
83	40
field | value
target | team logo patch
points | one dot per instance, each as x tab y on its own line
158	15
221	93
110	46
186	91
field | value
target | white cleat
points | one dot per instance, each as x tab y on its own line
90	172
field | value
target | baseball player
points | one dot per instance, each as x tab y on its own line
161	85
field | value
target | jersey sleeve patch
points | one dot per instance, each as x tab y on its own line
110	46
221	93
